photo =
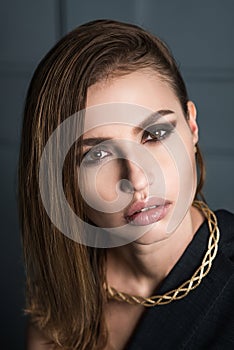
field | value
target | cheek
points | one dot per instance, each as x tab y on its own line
184	158
168	169
100	187
104	201
188	161
107	180
177	165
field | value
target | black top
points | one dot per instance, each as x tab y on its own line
204	319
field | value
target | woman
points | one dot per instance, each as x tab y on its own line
130	233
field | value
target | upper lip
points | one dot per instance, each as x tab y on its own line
139	205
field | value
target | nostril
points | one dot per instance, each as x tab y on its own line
126	186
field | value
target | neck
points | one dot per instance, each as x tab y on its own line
139	268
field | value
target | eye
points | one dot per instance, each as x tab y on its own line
95	156
157	132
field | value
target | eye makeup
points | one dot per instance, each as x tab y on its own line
106	148
158	132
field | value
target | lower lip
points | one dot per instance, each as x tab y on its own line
149	217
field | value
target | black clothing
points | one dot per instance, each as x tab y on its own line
204	319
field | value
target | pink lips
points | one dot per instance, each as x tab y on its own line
146	213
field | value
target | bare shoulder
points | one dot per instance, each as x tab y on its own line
36	340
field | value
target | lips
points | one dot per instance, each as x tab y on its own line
145	213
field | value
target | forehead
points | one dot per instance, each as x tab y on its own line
128	99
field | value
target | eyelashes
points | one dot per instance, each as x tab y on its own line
97	154
106	150
158	132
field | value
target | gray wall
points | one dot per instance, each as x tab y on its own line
200	34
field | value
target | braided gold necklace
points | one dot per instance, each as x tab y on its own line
190	284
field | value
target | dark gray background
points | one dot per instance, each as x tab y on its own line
200	34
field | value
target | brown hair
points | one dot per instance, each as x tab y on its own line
65	296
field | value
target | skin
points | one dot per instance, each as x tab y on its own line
140	266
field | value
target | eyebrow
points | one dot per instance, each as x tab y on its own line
152	118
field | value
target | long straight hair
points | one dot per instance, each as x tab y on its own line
65	297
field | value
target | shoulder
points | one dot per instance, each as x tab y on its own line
226	227
36	340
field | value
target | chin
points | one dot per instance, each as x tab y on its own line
152	236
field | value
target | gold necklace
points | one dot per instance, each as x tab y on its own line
190	284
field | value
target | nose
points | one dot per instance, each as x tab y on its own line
136	178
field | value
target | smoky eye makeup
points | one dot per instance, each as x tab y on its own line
100	153
107	149
158	132
95	155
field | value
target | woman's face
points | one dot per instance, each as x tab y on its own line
138	159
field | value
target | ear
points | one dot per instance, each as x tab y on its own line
192	114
